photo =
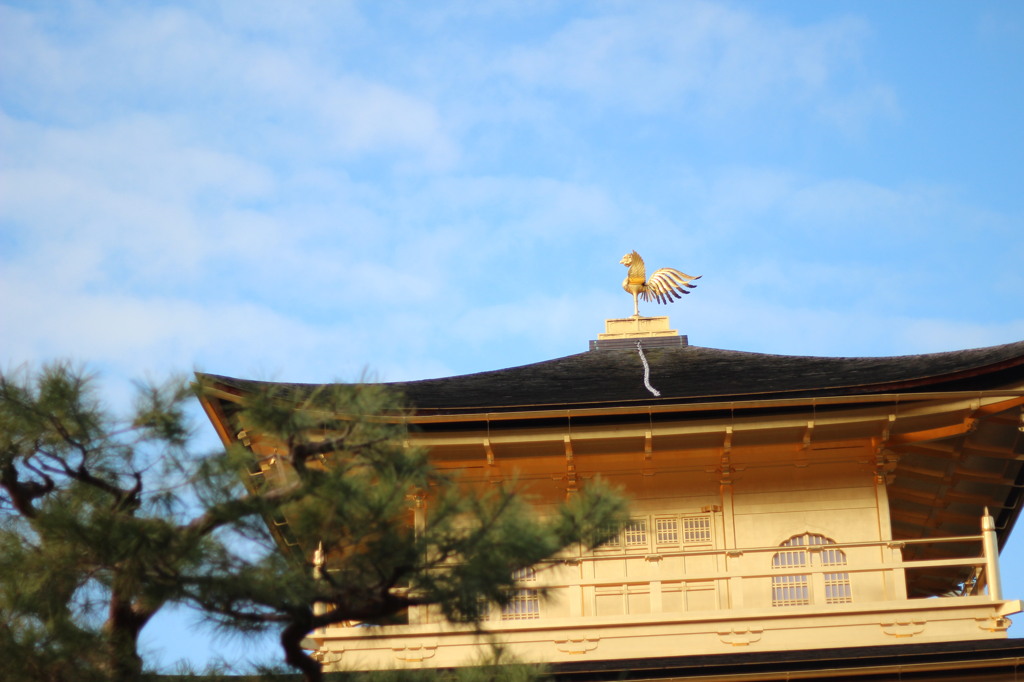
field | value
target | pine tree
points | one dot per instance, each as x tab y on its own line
104	520
345	480
87	554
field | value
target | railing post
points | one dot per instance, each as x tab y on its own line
418	614
815	581
895	579
990	546
654	568
734	584
575	566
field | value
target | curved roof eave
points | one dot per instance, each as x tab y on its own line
602	379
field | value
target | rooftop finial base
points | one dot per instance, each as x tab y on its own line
626	331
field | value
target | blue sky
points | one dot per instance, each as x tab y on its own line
308	191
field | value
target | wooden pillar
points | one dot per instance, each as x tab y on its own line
894	581
418	614
730	592
990	544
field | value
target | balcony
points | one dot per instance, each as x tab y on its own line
628	602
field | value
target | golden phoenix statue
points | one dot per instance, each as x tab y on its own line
664	286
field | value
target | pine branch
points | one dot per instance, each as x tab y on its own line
23	494
232	511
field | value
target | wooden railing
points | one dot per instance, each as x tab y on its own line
566	581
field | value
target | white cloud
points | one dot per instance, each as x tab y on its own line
544	208
361	117
558	318
733	197
742	322
935	335
252	86
701	57
131	188
851	111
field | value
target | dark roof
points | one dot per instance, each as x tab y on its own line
928	662
600	378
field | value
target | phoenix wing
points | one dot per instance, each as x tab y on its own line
667	285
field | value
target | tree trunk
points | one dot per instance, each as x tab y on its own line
123	661
295	655
124	623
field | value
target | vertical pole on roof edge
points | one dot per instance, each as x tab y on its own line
990	546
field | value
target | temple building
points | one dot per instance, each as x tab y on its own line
791	517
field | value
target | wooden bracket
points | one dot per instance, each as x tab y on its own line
808	433
570	466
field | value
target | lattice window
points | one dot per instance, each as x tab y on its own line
525	602
524	605
666	531
837	588
790	590
831	556
696	529
524	575
794	590
614	540
636	533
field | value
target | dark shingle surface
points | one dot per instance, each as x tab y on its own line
696	374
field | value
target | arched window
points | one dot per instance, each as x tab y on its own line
795	589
